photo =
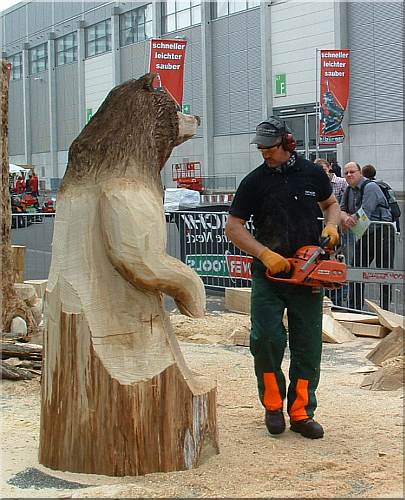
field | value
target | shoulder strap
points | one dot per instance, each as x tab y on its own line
383	185
346	197
362	187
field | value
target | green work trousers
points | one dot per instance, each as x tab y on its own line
268	341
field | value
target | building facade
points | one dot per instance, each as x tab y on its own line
245	60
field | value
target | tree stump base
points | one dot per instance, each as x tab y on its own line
101	426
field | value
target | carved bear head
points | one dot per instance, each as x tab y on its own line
130	136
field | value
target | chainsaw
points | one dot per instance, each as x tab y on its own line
315	266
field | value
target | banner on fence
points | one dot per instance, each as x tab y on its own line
221	266
334	94
167	58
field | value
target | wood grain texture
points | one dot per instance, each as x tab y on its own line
12	305
334	332
390	346
365	329
238	300
117	396
387	318
19	263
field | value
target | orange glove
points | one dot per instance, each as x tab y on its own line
275	262
331	231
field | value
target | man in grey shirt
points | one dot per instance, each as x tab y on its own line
378	241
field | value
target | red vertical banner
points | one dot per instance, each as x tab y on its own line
167	58
334	95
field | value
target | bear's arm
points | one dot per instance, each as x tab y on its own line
134	233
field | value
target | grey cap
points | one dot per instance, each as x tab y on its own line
269	132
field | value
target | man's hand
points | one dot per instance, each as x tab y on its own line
349	221
275	262
331	231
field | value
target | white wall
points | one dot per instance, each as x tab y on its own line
62	162
98	80
43	166
297	30
380	144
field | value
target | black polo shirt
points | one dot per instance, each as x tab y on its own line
284	204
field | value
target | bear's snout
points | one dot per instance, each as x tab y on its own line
187	126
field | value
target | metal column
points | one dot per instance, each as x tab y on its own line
27	106
207	91
115	46
53	131
81	54
265	44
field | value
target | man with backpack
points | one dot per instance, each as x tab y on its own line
378	241
369	172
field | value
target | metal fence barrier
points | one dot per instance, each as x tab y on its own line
35	232
376	267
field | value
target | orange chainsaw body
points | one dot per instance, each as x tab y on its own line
313	266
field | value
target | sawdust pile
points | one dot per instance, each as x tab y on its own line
212	329
361	455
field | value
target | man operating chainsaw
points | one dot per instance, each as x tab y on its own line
283	195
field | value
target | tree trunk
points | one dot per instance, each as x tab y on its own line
12	305
117	396
94	423
19	263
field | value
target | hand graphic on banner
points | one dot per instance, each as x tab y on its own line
167	58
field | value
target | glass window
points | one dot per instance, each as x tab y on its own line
38	59
311	131
297	126
136	25
224	7
179	14
66	49
183	19
196	15
236	6
98	38
16	66
170	6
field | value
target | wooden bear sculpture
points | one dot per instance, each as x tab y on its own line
117	396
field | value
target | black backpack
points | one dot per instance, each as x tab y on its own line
389	194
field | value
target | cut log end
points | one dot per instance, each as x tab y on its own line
163	424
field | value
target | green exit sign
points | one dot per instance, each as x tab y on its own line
281	85
186	109
89	114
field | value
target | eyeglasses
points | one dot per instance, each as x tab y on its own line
265	148
351	172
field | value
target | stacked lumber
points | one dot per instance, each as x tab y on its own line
238	300
361	325
334	332
241	336
337	327
388	354
20	361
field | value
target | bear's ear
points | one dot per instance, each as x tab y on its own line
147	80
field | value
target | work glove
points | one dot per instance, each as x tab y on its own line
331	231
275	262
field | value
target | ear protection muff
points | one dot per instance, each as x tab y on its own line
287	140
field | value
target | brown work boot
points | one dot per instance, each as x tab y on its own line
274	421
307	428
